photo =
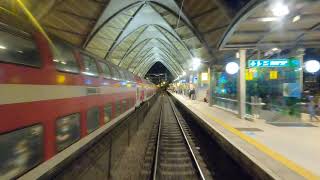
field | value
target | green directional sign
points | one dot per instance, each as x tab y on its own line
269	63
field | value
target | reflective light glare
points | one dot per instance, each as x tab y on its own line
232	68
279	9
275	49
88	73
55	60
296	18
184	73
62	62
3	47
312	66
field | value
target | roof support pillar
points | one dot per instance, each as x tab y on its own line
211	80
242	84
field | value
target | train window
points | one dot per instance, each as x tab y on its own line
115	72
18	50
67	131
20	151
105	69
89	65
92	119
118	108
64	58
107	112
124	105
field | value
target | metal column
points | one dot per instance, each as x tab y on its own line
242	84
210	86
301	53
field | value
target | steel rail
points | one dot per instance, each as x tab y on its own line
195	161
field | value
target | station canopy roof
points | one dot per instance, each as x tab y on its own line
264	25
133	34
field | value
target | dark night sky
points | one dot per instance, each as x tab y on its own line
158	68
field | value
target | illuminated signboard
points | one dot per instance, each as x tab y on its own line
269	63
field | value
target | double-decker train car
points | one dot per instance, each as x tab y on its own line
53	95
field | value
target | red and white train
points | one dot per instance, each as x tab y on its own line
53	96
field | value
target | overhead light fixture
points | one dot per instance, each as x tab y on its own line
238	55
279	9
296	18
3	47
184	73
312	66
195	63
232	68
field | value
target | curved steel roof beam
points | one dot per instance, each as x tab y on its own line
138	67
136	46
166	61
119	35
166	65
96	30
137	55
174	53
179	40
169	59
141	61
128	49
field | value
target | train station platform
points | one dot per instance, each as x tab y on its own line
281	152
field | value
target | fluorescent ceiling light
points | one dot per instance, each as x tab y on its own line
296	18
184	73
269	19
3	47
279	9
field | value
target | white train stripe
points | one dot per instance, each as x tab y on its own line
19	93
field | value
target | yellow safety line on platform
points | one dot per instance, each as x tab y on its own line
291	165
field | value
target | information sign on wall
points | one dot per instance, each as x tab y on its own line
273	74
269	63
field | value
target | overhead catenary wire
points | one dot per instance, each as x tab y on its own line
180	11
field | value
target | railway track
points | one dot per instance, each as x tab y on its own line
171	153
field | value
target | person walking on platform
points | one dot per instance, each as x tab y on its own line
193	94
311	109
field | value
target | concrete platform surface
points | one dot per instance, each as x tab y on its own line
286	152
